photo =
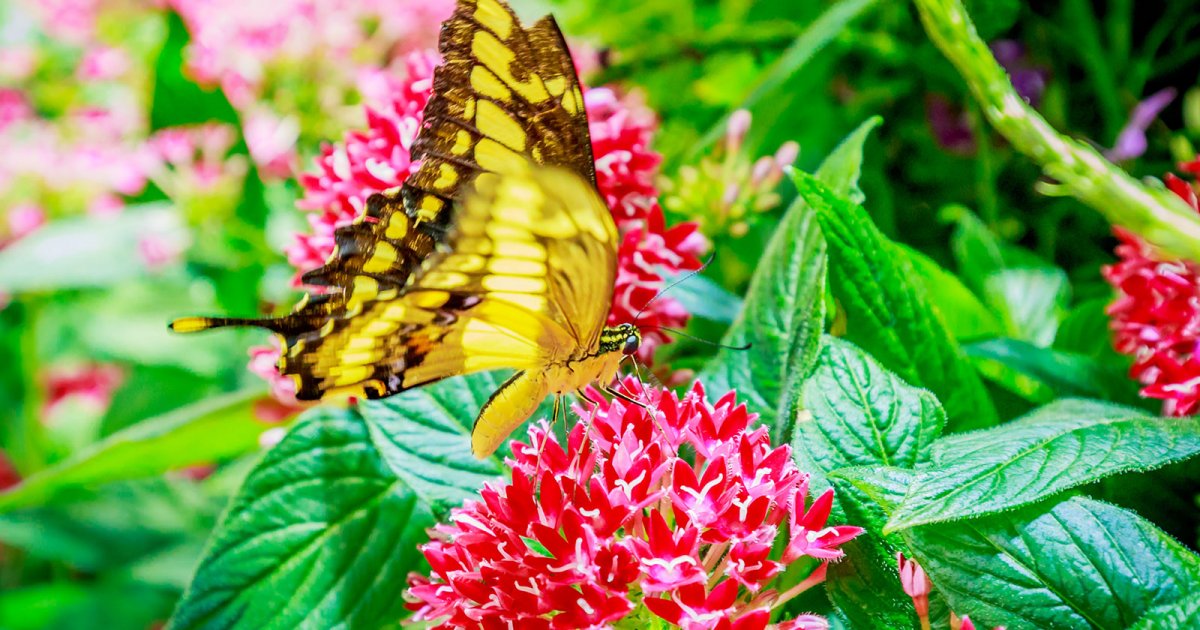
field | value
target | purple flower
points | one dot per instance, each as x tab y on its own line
1131	142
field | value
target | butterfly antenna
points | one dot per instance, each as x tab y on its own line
674	331
674	283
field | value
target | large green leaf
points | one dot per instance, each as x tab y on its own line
1033	301
781	319
321	535
964	315
213	430
1062	373
887	311
332	516
1183	613
841	169
865	586
87	251
1062	445
1077	564
862	414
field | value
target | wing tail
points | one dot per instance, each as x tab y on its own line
507	409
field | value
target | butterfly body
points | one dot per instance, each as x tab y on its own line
498	252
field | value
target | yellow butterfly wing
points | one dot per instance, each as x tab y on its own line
503	95
525	283
527	279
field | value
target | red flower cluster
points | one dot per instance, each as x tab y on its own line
619	521
1156	316
621	130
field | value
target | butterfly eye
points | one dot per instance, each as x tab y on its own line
631	344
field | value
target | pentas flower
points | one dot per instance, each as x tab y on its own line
917	586
193	166
729	188
366	162
92	384
1156	315
671	505
622	128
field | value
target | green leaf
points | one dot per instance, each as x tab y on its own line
888	314
862	414
86	251
964	315
841	169
1064	373
424	435
815	37
1060	446
333	514
865	585
213	430
704	298
1085	330
884	486
322	534
1182	613
1077	564
782	317
1032	300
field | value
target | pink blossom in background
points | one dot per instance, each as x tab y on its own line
917	586
103	63
17	61
24	218
1156	315
72	21
193	161
91	383
262	363
235	43
271	141
366	162
617	521
14	107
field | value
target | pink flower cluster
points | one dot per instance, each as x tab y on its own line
619	520
1156	316
622	129
728	188
366	162
238	44
93	384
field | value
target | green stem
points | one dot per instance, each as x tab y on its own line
1155	214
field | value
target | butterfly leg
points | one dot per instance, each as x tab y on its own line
556	409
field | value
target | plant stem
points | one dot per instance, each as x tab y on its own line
1155	214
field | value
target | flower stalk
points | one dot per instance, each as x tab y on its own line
1079	170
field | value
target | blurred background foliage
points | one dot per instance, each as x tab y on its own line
142	179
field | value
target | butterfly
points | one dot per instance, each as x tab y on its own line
498	252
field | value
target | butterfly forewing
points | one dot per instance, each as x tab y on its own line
516	287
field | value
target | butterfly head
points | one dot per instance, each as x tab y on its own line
625	339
